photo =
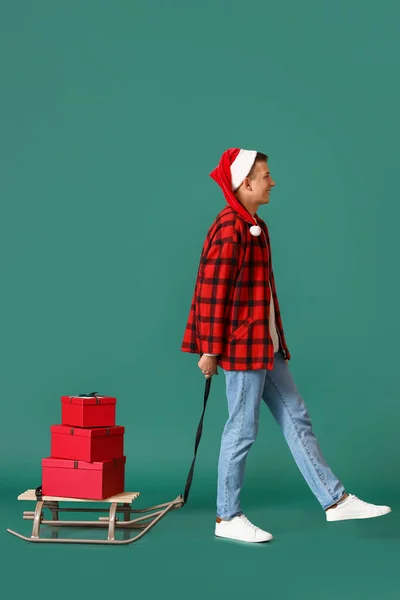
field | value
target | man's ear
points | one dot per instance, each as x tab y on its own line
246	183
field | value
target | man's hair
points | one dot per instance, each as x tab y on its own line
260	156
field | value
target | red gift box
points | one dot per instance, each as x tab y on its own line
81	479
90	444
88	411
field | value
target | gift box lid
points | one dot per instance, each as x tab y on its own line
87	431
87	399
65	463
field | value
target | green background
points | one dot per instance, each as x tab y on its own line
113	115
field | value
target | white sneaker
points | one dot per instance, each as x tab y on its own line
240	528
354	508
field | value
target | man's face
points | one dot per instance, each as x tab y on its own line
261	185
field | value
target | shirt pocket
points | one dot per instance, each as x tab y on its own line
240	331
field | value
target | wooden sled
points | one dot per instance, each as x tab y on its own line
121	503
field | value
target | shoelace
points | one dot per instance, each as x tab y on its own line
357	498
353	497
246	522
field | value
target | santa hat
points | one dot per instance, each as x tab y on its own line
234	165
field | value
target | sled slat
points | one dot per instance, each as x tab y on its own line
125	497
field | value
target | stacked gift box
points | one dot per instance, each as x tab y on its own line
87	450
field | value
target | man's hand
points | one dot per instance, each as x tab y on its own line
286	361
208	365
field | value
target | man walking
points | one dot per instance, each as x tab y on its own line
235	323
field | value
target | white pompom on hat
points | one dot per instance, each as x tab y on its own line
234	165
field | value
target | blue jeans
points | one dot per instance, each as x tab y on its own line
244	391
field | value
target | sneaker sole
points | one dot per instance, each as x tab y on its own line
238	539
349	517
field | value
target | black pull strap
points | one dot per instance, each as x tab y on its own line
198	436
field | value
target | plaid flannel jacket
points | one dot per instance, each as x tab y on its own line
230	305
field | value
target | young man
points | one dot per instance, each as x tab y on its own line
235	322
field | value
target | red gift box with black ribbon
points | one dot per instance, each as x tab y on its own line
92	444
82	479
88	410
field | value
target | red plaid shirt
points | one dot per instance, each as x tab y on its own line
230	305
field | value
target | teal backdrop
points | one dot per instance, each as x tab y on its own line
113	114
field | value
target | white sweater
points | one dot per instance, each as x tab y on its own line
272	326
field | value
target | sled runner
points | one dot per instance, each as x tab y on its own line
121	503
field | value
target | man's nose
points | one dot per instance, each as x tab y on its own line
272	182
